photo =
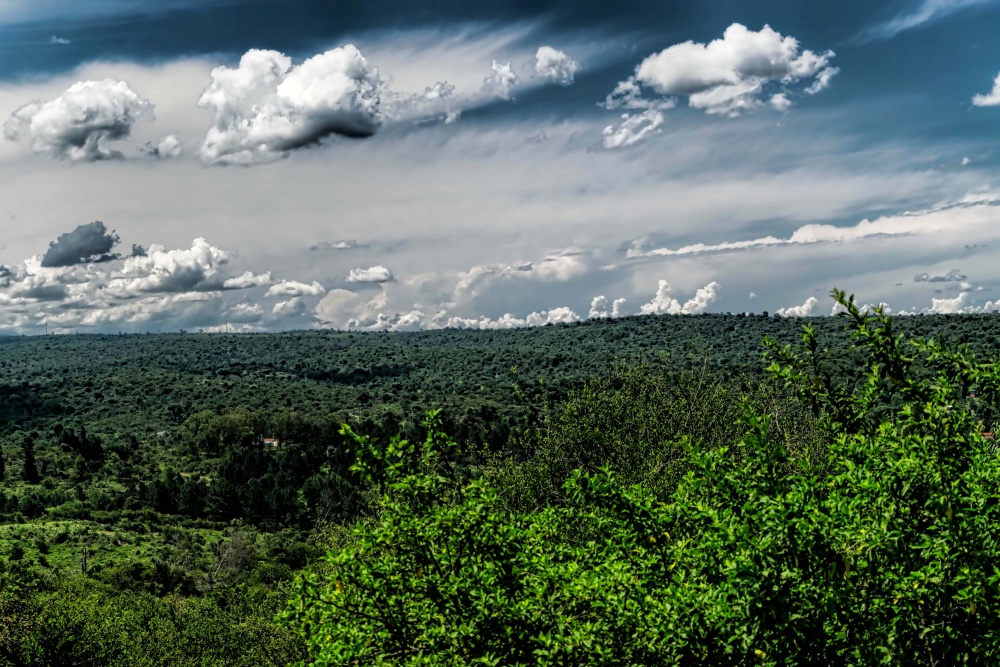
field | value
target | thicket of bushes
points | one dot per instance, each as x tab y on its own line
859	526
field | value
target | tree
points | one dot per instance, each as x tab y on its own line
30	470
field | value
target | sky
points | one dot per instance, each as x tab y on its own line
263	165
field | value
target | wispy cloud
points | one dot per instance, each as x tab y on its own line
928	11
972	211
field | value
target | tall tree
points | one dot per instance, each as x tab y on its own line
30	471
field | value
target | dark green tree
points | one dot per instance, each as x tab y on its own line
30	470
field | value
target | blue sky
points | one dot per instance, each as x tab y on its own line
381	165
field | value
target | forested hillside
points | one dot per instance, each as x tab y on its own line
156	381
161	492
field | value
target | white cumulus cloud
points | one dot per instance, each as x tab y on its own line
599	308
294	307
293	288
959	304
338	307
267	106
200	267
501	82
79	124
556	66
244	312
248	279
373	274
729	75
561	315
780	102
664	304
805	310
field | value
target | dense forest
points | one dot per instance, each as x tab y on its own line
196	499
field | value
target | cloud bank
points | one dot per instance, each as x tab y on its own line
80	283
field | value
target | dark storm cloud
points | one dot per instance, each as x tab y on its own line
89	243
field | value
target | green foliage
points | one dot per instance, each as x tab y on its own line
884	554
634	422
77	623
